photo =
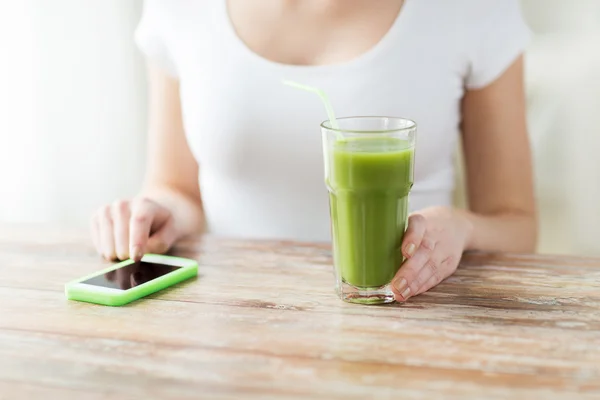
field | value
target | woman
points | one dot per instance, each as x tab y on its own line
232	149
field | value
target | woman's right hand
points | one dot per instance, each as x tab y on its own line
128	229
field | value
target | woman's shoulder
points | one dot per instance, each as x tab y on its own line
469	22
485	11
493	34
170	18
165	23
470	12
166	9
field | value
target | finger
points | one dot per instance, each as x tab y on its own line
405	283
417	225
110	276
95	232
136	279
142	216
432	282
161	241
132	279
432	270
432	274
107	240
144	274
121	215
123	279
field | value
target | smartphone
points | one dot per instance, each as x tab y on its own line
127	281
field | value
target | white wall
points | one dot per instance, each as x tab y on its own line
563	82
72	112
21	188
551	16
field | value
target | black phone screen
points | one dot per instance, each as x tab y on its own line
131	275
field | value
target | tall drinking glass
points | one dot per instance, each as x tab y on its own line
369	163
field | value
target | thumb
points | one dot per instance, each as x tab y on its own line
146	215
161	241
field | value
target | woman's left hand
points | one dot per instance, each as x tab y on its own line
433	245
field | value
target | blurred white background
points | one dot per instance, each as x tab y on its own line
72	113
72	108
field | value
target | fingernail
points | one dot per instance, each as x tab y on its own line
401	285
406	293
137	253
410	249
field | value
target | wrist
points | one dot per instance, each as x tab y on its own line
467	226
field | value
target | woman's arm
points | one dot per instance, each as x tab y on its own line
501	215
169	205
499	167
171	169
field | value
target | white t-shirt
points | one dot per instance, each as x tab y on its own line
258	143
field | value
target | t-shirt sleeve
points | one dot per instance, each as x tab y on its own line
498	36
151	36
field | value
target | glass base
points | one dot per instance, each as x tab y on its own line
368	296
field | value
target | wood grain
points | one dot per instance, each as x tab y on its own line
261	321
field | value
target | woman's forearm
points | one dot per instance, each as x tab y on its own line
506	231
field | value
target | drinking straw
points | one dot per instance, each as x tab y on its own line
322	95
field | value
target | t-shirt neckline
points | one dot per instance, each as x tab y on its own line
397	30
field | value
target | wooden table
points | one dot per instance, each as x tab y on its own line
261	321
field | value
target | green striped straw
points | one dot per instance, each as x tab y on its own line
322	95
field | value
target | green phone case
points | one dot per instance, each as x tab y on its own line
75	290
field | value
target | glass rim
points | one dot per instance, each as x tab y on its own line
412	125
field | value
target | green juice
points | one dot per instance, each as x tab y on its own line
369	180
